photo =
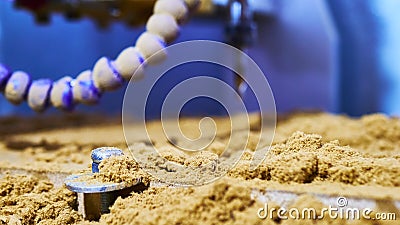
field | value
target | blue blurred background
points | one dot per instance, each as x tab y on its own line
337	56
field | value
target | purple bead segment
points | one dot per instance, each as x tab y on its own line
105	76
39	94
84	90
61	95
141	58
5	74
17	87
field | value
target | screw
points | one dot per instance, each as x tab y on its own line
95	198
99	154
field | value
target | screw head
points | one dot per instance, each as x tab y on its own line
99	154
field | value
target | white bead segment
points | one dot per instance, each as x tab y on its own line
61	94
128	64
83	89
192	4
105	76
163	25
148	45
39	94
17	87
176	8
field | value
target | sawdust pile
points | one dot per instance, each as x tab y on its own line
376	134
305	158
219	203
30	200
299	159
317	153
226	201
119	169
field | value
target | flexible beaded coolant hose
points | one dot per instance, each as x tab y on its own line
107	75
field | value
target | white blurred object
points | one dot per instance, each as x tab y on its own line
297	50
387	13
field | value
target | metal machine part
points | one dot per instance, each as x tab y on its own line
95	198
240	33
241	29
